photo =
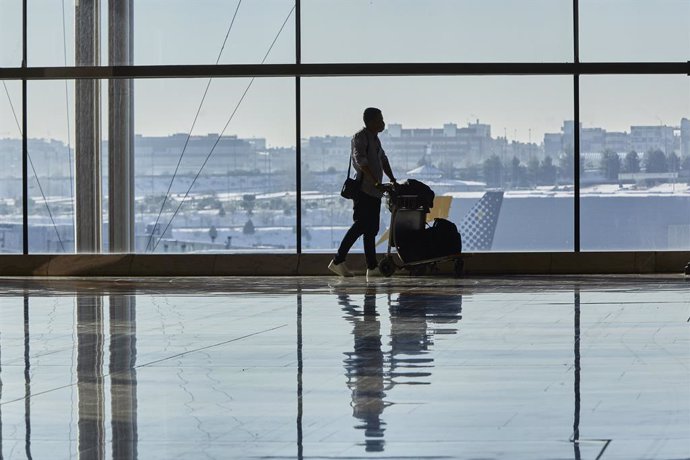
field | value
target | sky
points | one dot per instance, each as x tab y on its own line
524	108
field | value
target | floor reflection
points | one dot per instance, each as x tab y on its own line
90	376
27	380
371	372
549	374
576	375
364	369
123	376
91	380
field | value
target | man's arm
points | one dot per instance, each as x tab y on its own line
387	169
365	169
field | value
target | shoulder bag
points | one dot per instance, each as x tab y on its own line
351	186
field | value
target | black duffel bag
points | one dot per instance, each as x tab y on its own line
444	238
441	239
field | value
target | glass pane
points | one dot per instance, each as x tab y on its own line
436	30
635	30
164	32
51	131
636	152
224	181
51	33
10	33
11	176
483	142
183	32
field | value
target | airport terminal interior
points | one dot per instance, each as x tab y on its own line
170	200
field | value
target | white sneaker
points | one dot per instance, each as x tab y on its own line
373	273
340	269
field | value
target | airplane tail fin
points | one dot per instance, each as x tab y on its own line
479	224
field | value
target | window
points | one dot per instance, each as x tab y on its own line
183	32
52	157
635	30
11	33
235	188
437	31
636	163
11	177
463	136
51	33
228	184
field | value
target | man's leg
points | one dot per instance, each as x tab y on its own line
349	240
356	230
370	250
371	224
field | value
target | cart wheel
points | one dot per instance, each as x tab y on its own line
418	270
386	266
458	267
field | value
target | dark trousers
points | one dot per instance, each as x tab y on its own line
367	210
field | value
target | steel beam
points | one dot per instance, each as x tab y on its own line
341	70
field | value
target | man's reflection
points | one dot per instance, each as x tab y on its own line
415	319
364	370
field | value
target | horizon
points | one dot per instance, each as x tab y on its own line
537	142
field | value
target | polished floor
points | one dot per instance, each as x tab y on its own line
317	367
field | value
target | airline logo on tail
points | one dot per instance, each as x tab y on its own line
479	224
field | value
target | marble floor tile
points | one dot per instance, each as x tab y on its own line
318	367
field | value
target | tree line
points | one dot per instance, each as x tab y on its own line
547	171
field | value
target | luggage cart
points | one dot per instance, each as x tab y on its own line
408	218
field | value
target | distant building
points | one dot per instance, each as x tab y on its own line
449	144
597	140
646	138
321	153
553	144
685	137
407	146
159	155
617	142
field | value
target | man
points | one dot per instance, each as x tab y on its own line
370	162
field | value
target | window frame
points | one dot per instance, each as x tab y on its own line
574	68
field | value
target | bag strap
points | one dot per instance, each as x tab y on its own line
349	165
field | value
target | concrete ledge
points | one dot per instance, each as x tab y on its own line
132	265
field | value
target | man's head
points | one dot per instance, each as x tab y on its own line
373	119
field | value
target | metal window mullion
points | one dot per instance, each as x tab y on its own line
344	70
576	128
298	127
25	143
